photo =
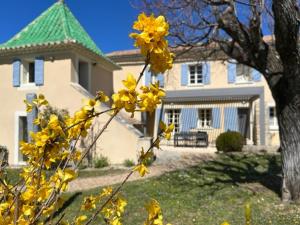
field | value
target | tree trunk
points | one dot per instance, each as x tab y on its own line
288	114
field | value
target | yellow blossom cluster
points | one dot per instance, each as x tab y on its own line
48	148
52	149
166	132
113	210
154	214
131	100
152	41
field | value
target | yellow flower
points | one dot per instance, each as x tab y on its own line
167	130
248	213
89	203
130	83
126	98
80	219
154	214
106	192
41	100
90	105
29	106
115	221
102	97
62	177
152	41
150	97
142	169
120	205
225	223
28	210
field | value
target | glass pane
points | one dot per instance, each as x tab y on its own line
31	73
23	135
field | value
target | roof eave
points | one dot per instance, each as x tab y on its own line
54	46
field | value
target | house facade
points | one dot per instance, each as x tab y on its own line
55	56
207	93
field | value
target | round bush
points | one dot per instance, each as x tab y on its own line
230	141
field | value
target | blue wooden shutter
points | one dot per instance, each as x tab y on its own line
231	72
206	73
39	71
189	118
31	116
159	116
147	75
231	119
184	75
216	118
161	79
16	73
256	76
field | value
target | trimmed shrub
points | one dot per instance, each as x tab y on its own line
128	163
101	162
230	141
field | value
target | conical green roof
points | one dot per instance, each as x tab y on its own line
55	26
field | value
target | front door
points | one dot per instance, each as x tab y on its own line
244	122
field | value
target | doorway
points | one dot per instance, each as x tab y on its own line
244	122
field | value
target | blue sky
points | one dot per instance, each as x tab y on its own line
108	22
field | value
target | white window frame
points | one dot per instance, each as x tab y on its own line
207	119
243	78
176	126
25	72
273	126
196	74
18	114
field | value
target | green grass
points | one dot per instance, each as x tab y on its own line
208	194
13	174
99	172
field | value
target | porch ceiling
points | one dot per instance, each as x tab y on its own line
218	94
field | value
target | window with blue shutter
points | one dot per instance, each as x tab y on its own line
216	118
160	77
39	71
231	72
231	119
17	73
206	73
31	116
189	119
148	77
255	75
184	75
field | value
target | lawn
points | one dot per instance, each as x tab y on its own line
208	194
13	174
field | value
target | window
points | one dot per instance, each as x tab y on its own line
28	73
204	120
83	74
173	116
23	135
273	123
196	74
158	77
243	73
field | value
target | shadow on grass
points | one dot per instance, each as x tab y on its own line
234	169
66	204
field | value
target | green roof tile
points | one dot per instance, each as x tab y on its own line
56	25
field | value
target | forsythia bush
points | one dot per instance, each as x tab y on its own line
36	197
